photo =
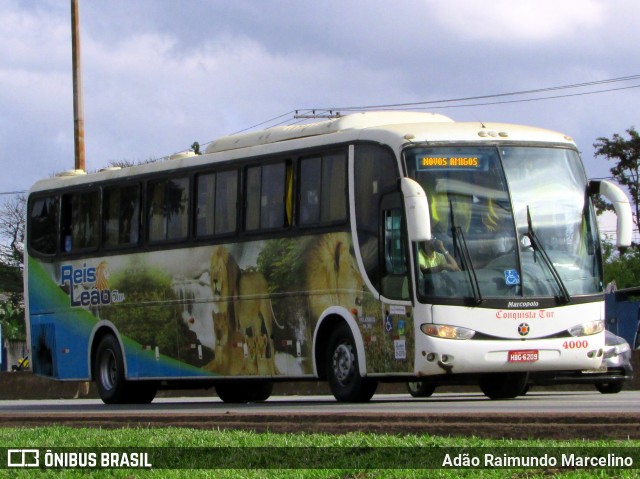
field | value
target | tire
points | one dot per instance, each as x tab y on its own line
141	392
342	366
504	385
420	389
244	391
610	388
108	371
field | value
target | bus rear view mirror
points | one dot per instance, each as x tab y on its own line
417	208
618	198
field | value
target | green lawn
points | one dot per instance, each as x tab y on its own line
354	455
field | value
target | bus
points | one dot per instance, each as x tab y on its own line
372	247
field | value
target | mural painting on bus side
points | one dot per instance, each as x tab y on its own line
304	277
151	313
202	308
244	307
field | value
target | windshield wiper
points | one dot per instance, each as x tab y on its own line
537	246
460	247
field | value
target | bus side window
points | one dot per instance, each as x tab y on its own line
323	196
80	221
217	200
394	249
267	196
121	222
310	170
44	225
395	283
168	209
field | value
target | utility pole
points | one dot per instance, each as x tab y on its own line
78	107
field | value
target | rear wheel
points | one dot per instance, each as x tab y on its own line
342	365
420	389
504	385
109	376
109	371
244	391
141	392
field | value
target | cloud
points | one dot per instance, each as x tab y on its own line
159	75
510	21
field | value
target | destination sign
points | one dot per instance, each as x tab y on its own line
446	162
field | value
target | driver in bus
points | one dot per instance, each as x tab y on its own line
434	258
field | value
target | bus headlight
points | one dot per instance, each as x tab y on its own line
447	332
587	329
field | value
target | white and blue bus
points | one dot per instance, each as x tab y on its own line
379	246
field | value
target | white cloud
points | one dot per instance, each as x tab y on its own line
519	20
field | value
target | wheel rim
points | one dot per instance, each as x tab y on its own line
108	369
343	362
414	386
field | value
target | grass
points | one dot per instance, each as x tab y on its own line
346	456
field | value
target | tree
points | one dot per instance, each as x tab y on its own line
626	154
624	269
11	267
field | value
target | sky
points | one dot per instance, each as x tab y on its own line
160	74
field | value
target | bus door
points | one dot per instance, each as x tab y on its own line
395	286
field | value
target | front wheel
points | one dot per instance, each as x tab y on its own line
504	385
342	364
420	389
610	388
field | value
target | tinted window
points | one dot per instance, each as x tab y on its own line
323	189
376	174
80	221
168	209
121	216
217	199
268	197
43	235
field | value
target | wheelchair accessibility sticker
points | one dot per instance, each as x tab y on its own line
511	277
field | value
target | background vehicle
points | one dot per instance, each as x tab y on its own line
622	312
616	369
294	253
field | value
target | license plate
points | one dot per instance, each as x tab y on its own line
526	356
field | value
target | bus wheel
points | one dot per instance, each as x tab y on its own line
260	391
420	389
504	385
244	391
141	392
345	381
109	371
610	388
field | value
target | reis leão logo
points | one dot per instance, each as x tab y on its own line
89	286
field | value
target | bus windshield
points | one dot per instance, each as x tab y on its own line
507	221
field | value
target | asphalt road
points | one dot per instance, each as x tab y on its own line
589	415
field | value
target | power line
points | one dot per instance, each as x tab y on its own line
450	103
496	95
